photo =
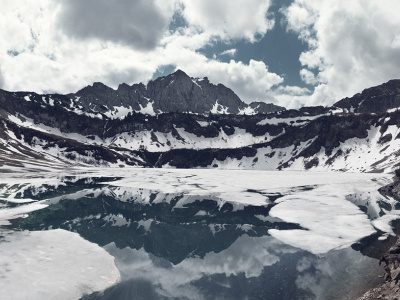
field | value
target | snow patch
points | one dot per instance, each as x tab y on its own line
118	112
219	109
148	109
391	110
247	111
55	264
195	82
203	123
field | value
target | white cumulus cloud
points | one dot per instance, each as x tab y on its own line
51	46
1	79
229	19
230	52
352	44
249	81
62	46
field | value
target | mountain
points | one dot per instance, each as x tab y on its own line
178	121
377	99
176	92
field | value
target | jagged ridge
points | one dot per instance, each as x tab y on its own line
57	130
176	92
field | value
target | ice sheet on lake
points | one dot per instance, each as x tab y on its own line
331	220
325	204
20	211
317	201
235	186
54	264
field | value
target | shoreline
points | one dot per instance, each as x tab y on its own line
390	288
389	262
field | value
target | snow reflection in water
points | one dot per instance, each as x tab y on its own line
187	244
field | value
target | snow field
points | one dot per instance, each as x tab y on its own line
54	264
325	204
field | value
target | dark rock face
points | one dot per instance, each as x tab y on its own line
392	189
188	158
390	289
176	92
374	100
179	93
101	98
265	108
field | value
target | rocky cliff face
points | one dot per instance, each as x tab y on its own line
377	99
176	92
389	290
97	126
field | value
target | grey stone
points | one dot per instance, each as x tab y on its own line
176	92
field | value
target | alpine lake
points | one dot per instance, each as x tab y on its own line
192	234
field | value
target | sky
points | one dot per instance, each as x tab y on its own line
291	53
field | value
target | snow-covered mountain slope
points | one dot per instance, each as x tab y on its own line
59	130
377	152
29	146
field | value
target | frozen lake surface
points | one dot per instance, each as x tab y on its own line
189	234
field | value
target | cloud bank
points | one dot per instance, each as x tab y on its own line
1	79
136	23
352	45
61	46
229	19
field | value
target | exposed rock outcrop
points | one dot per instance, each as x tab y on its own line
392	189
176	92
390	290
376	99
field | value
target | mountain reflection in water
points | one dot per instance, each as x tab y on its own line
178	246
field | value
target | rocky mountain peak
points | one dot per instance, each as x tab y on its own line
179	73
377	99
100	85
265	108
123	86
98	88
176	92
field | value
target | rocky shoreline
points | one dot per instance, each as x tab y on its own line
390	289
